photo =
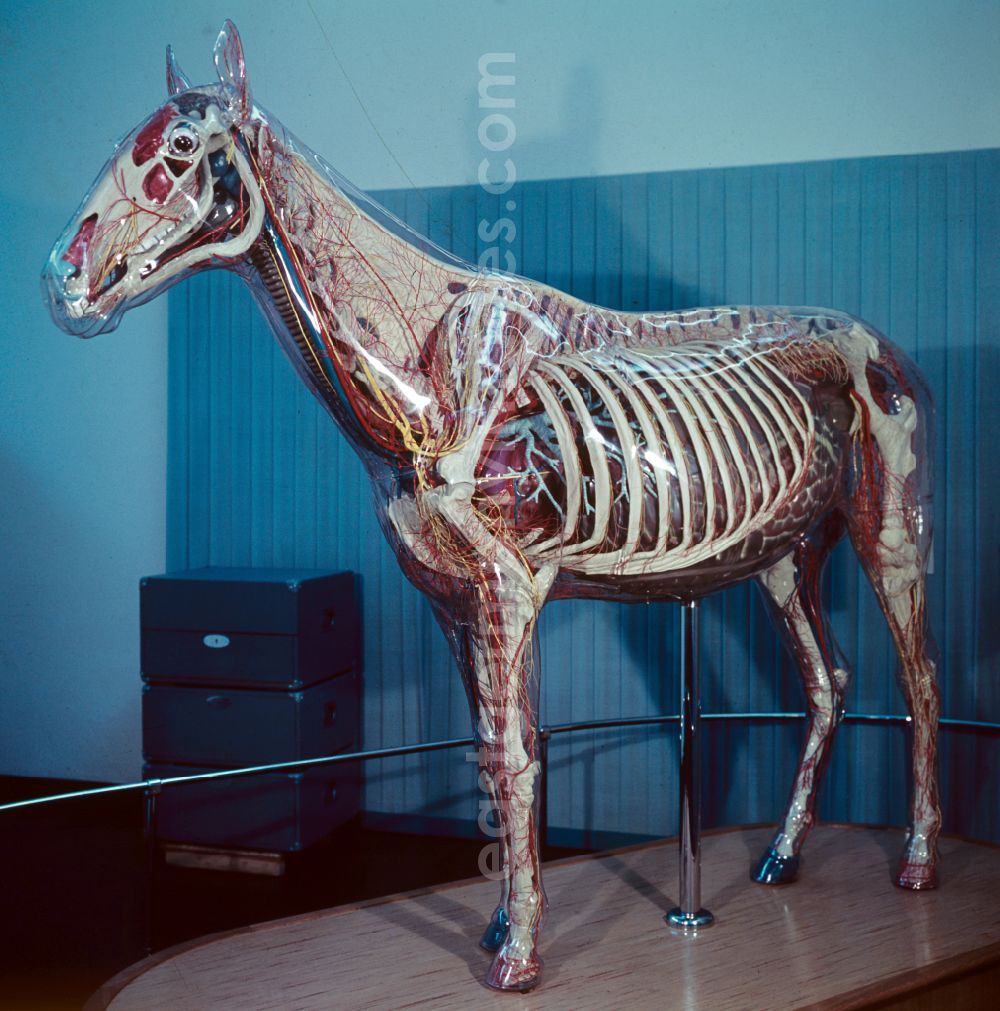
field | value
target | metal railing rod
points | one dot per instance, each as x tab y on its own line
970	724
468	742
250	770
92	791
640	721
630	721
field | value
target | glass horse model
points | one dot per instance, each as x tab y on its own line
525	446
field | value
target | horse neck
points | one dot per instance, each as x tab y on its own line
351	303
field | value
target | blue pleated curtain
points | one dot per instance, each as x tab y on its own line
258	475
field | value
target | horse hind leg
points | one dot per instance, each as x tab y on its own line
903	604
890	527
791	589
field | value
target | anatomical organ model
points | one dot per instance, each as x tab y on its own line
525	446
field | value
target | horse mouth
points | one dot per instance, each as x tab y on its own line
77	312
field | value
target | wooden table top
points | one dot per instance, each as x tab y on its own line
842	934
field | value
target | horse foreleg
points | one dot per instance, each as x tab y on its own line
458	624
507	688
503	600
792	590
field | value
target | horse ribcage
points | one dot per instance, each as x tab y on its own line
651	461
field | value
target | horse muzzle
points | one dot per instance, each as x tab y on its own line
65	290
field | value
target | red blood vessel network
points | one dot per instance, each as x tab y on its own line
525	446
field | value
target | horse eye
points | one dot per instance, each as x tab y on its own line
183	140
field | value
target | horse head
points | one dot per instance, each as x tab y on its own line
178	194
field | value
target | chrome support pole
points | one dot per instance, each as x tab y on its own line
690	915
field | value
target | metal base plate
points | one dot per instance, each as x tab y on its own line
681	920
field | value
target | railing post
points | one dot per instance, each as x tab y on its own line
150	795
690	915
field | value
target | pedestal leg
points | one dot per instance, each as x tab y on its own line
690	915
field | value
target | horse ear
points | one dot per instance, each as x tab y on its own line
177	80
230	65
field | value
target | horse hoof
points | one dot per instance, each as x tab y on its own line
510	972
496	932
773	869
915	877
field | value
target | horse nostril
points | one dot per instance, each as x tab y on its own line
76	252
63	271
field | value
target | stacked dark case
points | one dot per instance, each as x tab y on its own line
248	667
